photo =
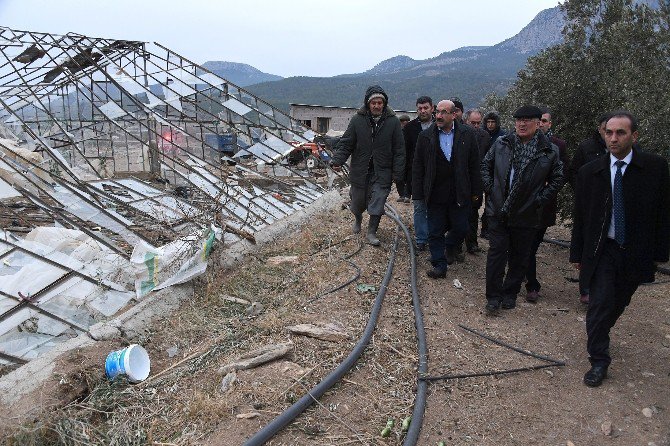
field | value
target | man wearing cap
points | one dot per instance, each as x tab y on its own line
521	173
621	227
374	141
549	210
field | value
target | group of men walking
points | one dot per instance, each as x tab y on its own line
447	161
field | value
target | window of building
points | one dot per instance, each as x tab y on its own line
307	123
322	125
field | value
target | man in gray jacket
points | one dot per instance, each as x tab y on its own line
521	172
374	140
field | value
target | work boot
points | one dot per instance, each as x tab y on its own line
356	228
372	230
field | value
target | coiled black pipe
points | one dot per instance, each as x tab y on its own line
412	436
286	417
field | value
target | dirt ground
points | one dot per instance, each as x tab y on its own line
183	403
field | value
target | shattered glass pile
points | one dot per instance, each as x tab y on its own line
122	164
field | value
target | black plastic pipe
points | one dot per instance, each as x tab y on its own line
286	417
412	436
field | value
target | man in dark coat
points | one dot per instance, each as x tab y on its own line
621	227
473	118
445	174
492	126
423	120
492	123
521	173
588	150
591	148
548	211
375	143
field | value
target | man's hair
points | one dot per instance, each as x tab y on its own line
466	115
604	117
546	111
625	114
423	100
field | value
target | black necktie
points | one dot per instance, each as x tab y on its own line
617	205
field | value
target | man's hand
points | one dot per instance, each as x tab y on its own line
578	266
336	167
475	199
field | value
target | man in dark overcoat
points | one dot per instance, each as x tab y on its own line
621	227
374	141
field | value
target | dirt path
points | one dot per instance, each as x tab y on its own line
182	402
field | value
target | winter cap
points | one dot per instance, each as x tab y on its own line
375	91
528	111
375	96
403	118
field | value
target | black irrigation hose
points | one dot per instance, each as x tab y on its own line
566	244
511	347
346	259
339	287
552	362
491	373
286	417
412	436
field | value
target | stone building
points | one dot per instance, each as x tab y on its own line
324	118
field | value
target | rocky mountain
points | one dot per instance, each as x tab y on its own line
240	74
470	72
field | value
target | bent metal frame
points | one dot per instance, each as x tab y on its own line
127	142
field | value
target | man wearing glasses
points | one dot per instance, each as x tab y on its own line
521	173
445	174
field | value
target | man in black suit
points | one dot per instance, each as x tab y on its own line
621	228
445	175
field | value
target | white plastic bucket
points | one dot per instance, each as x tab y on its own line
132	361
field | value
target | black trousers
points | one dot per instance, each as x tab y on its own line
610	294
508	247
532	284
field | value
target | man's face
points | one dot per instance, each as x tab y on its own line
403	124
601	129
619	137
458	114
526	128
444	117
475	120
545	122
491	124
376	106
424	111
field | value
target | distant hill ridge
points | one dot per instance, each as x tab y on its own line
240	74
470	72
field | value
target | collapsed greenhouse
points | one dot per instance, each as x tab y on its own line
121	164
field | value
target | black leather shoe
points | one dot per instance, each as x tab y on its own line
595	376
421	247
508	304
436	274
492	306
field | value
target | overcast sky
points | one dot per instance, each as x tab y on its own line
287	38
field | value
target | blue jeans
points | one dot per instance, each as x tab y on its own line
420	221
443	216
